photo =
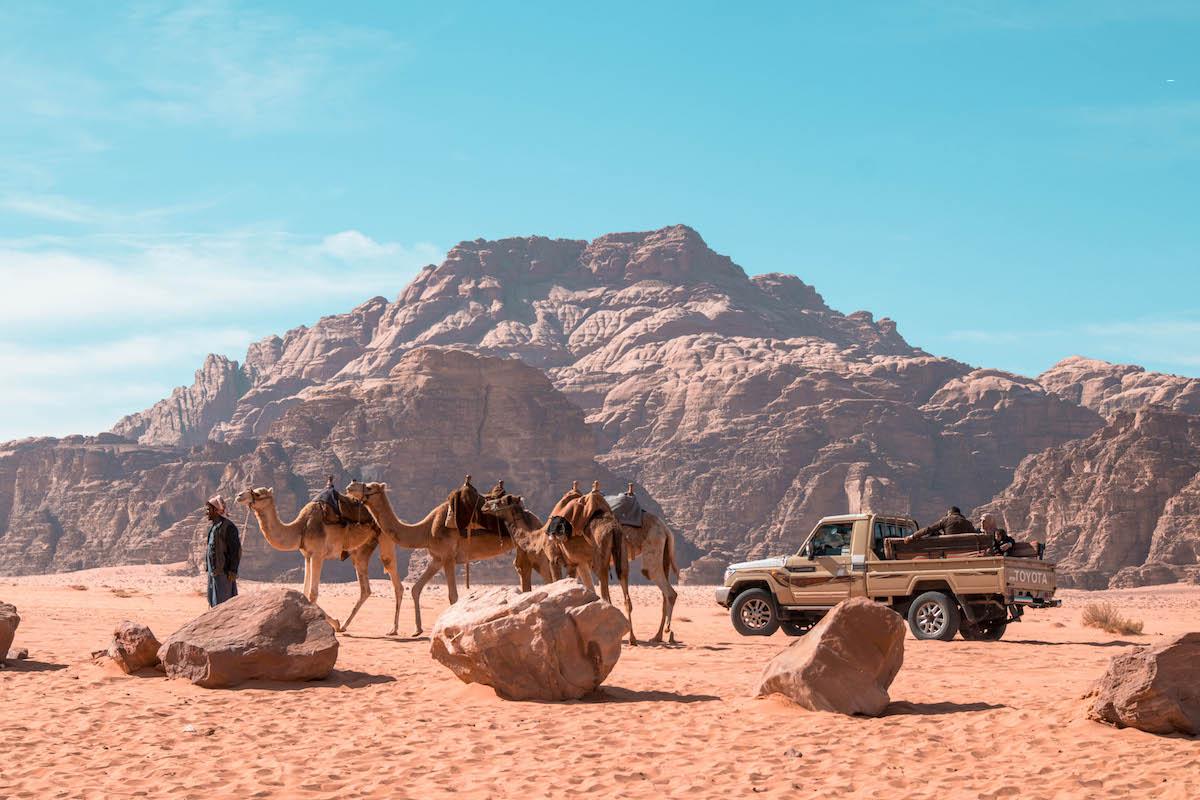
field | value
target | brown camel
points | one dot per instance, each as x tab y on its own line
446	547
318	541
655	544
582	533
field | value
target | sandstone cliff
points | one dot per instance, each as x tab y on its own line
744	405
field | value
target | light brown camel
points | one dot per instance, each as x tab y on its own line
582	533
446	547
655	544
318	541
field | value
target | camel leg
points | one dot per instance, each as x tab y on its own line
362	562
603	575
524	568
307	575
628	603
451	569
318	559
653	570
584	573
390	562
430	570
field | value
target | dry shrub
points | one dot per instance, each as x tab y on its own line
1107	617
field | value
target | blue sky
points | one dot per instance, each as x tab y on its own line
1012	182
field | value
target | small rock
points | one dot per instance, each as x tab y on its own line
20	654
792	752
189	728
133	647
9	620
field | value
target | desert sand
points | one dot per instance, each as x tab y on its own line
968	720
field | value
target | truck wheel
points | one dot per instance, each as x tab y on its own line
792	628
754	613
987	631
933	615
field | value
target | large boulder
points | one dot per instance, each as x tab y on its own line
845	663
557	642
133	647
1154	689
273	635
8	627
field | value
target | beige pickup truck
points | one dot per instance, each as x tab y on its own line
943	585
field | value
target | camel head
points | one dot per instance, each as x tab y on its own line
256	498
507	506
362	491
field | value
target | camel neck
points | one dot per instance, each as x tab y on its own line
280	535
402	533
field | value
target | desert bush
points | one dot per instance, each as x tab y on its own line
1107	617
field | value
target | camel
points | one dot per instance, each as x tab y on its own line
589	541
318	541
446	547
655	544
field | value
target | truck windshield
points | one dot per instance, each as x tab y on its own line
887	530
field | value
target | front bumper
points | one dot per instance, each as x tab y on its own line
722	595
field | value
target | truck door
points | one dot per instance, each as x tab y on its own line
820	575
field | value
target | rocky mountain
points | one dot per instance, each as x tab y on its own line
1119	507
745	406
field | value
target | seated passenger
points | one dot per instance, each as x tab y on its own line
954	522
1002	543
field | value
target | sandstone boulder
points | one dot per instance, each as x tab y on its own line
844	664
133	647
1154	689
558	642
273	635
8	627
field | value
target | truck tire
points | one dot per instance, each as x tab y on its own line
987	631
933	615
754	613
793	628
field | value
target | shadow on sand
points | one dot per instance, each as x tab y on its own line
619	694
379	638
1113	643
338	679
25	665
900	708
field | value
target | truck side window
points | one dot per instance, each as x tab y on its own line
881	532
832	539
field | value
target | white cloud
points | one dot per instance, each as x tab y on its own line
355	246
100	325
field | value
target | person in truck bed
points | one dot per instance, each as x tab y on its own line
1002	543
954	522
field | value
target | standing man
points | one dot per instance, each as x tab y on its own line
223	554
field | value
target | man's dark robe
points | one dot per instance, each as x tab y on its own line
223	556
948	525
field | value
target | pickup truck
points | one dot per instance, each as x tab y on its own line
943	585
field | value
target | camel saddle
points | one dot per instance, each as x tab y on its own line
337	509
626	509
466	510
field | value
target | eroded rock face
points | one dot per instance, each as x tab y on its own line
133	647
1124	497
745	406
274	635
558	642
845	664
1154	689
9	620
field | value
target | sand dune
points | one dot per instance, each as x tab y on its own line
970	720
